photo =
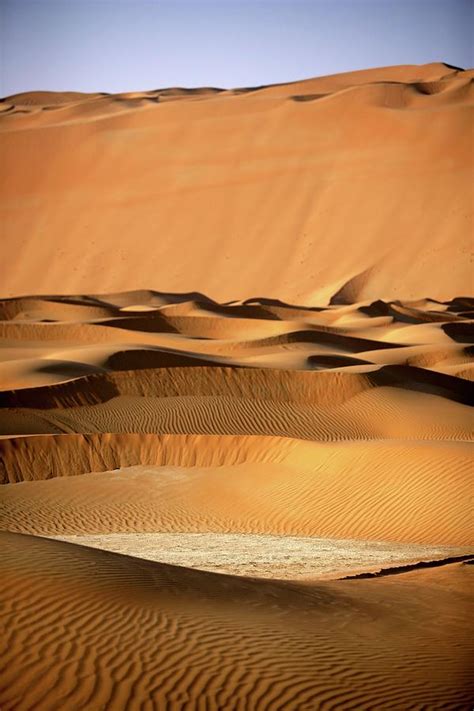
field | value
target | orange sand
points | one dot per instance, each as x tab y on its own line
306	370
116	632
354	184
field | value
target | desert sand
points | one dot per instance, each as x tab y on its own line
351	185
111	631
236	396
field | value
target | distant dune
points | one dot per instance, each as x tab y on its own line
347	187
236	333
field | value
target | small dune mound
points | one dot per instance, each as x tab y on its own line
48	98
41	309
146	359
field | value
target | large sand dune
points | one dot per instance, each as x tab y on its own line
352	187
295	401
251	438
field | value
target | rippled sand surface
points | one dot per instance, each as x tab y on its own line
236	365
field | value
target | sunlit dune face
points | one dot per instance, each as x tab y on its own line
351	186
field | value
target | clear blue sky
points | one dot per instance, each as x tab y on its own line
119	45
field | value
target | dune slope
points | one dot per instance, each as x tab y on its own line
117	632
353	187
408	492
295	402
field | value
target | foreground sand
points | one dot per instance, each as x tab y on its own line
90	629
303	413
133	422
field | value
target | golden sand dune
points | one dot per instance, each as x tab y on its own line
117	632
383	413
352	186
416	492
54	339
353	430
304	376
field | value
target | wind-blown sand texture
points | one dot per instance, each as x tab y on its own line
92	629
303	415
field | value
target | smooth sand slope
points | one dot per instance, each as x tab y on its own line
353	186
90	629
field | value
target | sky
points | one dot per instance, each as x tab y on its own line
127	45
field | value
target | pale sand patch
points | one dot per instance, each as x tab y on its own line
281	557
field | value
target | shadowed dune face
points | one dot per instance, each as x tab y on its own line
423	345
320	429
352	185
